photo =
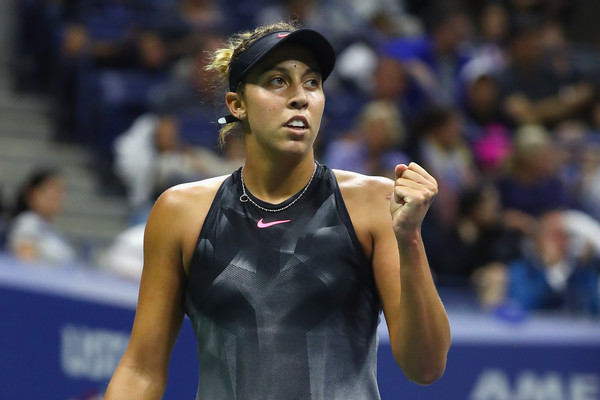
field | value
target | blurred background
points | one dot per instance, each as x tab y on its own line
105	103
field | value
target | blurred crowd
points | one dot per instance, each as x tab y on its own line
491	97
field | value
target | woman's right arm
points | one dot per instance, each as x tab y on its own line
142	372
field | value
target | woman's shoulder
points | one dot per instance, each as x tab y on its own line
179	214
364	188
192	192
187	200
361	182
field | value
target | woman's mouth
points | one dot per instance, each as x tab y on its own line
297	123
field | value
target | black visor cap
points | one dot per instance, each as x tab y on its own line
308	38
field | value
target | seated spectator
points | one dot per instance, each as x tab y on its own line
590	188
443	150
574	152
32	235
150	157
492	151
125	255
201	15
479	239
189	87
488	54
379	79
392	81
549	276
486	129
532	185
372	148
365	72
436	60
481	102
492	29
342	21
533	90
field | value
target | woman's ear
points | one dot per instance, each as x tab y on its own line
235	104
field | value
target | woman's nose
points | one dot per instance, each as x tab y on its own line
298	99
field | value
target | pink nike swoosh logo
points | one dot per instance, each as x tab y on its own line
282	35
262	224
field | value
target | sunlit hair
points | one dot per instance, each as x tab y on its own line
236	44
386	111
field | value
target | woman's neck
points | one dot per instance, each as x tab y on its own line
276	181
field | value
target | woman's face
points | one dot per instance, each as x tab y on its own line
47	199
377	135
284	101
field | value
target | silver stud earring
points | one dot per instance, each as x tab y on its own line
241	116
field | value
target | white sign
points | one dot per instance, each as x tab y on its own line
493	384
91	353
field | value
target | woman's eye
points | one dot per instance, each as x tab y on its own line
277	81
313	83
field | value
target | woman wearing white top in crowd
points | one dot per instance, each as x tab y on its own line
32	236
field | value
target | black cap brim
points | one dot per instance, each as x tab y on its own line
308	38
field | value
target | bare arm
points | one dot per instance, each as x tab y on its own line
417	321
142	372
550	109
25	250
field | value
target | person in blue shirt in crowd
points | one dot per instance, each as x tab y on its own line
552	273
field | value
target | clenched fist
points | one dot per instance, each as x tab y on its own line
414	190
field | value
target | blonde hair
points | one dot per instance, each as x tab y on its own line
386	111
236	44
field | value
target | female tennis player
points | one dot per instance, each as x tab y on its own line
285	266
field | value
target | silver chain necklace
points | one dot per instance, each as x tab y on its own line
245	198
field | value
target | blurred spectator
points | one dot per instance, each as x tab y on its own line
534	91
150	157
445	153
388	80
573	145
391	81
481	105
549	276
487	47
493	23
32	235
492	151
313	14
344	21
435	61
201	15
134	58
479	238
558	10
305	12
189	87
590	154
557	54
372	148
532	185
442	150
35	48
389	17
125	255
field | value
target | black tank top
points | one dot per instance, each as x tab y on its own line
283	303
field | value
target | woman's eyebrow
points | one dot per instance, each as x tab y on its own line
287	70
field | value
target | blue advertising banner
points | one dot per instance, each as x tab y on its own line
64	331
